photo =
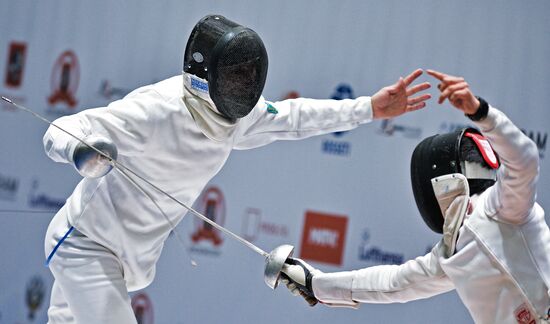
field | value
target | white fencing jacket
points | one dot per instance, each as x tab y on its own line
501	265
157	137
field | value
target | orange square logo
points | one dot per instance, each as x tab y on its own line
324	237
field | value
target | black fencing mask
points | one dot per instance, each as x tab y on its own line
464	151
231	59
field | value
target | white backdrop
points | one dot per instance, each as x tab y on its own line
319	49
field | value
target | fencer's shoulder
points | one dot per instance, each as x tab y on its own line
166	90
170	88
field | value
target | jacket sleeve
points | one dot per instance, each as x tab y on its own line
415	279
128	122
300	118
513	195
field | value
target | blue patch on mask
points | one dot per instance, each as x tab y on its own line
199	85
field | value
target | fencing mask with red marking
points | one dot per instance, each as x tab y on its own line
464	151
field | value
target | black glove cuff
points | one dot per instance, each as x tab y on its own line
481	112
309	279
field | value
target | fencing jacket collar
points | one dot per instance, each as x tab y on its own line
197	100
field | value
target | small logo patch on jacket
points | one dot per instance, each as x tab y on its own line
524	315
271	109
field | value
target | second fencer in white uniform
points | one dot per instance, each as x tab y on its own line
177	134
495	249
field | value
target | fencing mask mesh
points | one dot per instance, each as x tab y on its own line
232	59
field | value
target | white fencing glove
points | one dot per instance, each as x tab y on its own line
91	164
298	277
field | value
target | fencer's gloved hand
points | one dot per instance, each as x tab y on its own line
91	164
298	277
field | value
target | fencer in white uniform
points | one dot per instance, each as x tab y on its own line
495	249
177	134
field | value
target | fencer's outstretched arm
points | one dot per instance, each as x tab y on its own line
415	279
300	118
127	123
513	196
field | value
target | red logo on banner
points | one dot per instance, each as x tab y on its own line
16	64
143	308
65	79
292	95
324	237
213	207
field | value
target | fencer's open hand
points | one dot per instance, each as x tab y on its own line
88	162
457	91
397	99
298	277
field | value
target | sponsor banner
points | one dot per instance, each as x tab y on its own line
540	138
65	79
15	69
337	145
111	92
34	295
377	255
143	308
324	237
206	239
253	226
291	95
8	187
43	200
389	127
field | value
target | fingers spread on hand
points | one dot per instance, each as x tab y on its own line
417	106
421	98
417	88
451	89
413	76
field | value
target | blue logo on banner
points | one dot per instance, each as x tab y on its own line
539	138
199	85
375	254
339	147
342	148
343	91
41	200
8	187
